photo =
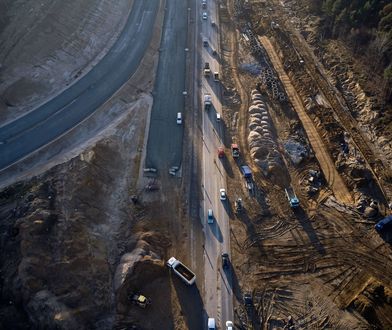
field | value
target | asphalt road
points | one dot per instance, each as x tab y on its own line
218	281
38	128
164	145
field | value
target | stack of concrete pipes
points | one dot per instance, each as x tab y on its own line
263	148
268	79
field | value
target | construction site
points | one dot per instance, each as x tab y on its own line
88	233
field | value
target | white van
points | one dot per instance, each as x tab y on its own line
211	323
210	216
179	118
218	116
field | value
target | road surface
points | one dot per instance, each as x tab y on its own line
218	281
164	145
43	125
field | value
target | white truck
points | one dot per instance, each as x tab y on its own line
181	270
292	197
207	101
207	69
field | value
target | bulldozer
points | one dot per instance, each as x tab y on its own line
140	300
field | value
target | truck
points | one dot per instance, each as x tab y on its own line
207	69
181	271
384	224
235	150
247	173
292	197
207	101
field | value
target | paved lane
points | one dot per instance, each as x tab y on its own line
164	145
34	130
218	282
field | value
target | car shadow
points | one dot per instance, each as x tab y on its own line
228	208
216	231
192	307
233	282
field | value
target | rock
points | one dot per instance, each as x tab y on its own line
296	151
46	311
370	212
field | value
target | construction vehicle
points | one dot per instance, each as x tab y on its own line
139	300
235	150
207	69
292	197
238	205
207	101
181	271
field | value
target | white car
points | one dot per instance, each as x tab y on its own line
204	16
179	118
229	325
222	194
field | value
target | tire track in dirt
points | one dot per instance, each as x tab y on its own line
327	165
242	115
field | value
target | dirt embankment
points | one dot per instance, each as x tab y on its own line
47	45
74	246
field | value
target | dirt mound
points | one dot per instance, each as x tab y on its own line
63	234
374	303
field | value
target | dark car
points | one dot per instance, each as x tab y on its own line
248	301
225	260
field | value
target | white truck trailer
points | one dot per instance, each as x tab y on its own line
181	270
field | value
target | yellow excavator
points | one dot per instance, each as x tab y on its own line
140	300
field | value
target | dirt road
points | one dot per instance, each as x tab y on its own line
327	165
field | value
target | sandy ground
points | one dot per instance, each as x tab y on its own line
48	45
312	264
74	245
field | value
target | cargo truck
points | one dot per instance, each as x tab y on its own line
207	101
207	69
247	173
181	270
292	197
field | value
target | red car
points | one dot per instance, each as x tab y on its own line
221	152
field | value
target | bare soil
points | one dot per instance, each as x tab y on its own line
316	264
48	45
75	243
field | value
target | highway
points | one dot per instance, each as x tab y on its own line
164	145
218	281
48	122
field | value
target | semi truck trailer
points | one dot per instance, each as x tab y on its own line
181	271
